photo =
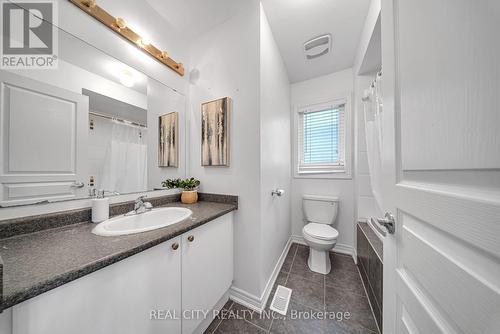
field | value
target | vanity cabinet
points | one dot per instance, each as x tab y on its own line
207	269
158	290
115	299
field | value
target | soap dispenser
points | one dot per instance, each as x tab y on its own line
100	207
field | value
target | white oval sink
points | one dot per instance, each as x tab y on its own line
147	221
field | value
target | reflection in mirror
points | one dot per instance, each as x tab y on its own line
91	123
117	144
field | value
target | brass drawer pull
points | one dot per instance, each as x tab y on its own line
175	245
191	238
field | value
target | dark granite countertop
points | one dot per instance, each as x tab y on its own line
37	262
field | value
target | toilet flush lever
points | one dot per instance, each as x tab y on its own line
388	222
278	192
77	185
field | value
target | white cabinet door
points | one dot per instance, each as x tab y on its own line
207	268
121	298
441	158
43	141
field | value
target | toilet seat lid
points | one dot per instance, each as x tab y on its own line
321	231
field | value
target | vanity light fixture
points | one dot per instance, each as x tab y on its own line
89	3
163	55
144	43
120	23
119	26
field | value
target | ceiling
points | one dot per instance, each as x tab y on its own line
294	22
192	17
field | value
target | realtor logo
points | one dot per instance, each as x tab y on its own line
29	34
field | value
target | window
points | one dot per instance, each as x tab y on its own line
321	139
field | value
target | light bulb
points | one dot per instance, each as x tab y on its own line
120	23
89	3
145	41
163	55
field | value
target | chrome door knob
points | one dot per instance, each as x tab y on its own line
278	192
388	222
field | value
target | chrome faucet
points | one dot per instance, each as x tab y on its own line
140	206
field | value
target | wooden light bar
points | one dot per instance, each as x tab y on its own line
119	26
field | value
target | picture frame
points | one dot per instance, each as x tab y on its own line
215	126
168	140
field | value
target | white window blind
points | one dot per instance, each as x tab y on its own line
321	139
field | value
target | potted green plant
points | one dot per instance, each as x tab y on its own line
171	183
189	188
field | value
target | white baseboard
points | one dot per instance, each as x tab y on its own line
343	249
275	273
244	298
259	303
298	239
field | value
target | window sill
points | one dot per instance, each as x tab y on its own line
343	175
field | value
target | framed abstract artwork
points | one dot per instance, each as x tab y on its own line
168	140
215	132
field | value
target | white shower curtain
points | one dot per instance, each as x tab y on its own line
373	107
125	165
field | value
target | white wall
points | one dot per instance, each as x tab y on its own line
366	205
329	86
226	59
162	101
234	60
366	34
275	150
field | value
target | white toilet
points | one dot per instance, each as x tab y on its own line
320	213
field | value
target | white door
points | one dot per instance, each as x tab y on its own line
441	92
43	141
207	269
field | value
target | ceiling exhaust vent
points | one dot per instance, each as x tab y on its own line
318	46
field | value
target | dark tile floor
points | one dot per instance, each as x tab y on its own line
333	303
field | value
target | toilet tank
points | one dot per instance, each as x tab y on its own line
320	209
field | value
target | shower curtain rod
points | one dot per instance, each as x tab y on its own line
121	120
379	74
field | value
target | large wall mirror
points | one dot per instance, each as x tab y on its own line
92	123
